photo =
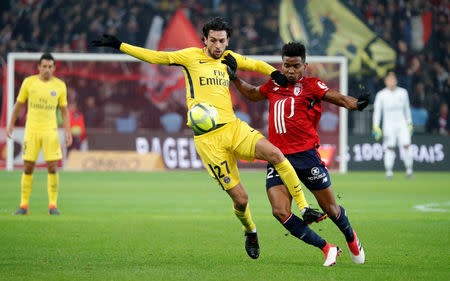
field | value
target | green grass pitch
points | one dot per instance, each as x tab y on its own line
180	226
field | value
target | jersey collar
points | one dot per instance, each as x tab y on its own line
210	58
296	82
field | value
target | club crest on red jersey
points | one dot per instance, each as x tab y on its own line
298	89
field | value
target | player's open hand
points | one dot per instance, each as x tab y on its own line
68	139
231	63
279	78
411	129
107	41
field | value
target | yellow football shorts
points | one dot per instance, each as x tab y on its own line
220	149
48	141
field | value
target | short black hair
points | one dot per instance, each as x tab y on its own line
217	24
390	72
294	49
46	56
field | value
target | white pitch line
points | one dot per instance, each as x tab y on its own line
431	207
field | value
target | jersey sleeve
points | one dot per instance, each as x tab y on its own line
156	57
377	111
246	63
407	108
265	89
23	93
318	88
62	100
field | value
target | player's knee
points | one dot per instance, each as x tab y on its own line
275	155
28	168
281	214
332	210
51	169
240	203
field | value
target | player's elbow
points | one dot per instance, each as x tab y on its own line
18	107
254	98
250	94
256	95
19	104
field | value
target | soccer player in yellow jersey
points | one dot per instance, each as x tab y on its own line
44	94
207	81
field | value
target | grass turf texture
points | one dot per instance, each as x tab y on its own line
180	226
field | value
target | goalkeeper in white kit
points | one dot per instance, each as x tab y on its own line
392	105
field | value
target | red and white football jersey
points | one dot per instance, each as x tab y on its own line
295	113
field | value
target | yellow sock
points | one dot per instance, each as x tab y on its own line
292	182
26	184
52	188
246	219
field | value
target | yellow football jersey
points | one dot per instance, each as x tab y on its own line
206	78
43	99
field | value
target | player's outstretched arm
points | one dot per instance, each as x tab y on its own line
348	102
338	99
150	56
249	91
245	63
16	111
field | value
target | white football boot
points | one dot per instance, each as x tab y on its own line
356	250
331	253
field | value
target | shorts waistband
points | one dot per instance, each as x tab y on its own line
217	127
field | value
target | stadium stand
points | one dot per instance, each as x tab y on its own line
68	26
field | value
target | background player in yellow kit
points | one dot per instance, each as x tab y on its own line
44	93
207	81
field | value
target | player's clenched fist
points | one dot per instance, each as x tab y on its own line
279	78
107	41
231	63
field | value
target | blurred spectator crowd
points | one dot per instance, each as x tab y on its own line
69	25
422	69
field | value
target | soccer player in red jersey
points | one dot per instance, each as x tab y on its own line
232	139
294	115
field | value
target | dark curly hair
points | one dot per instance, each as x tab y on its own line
294	49
217	24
